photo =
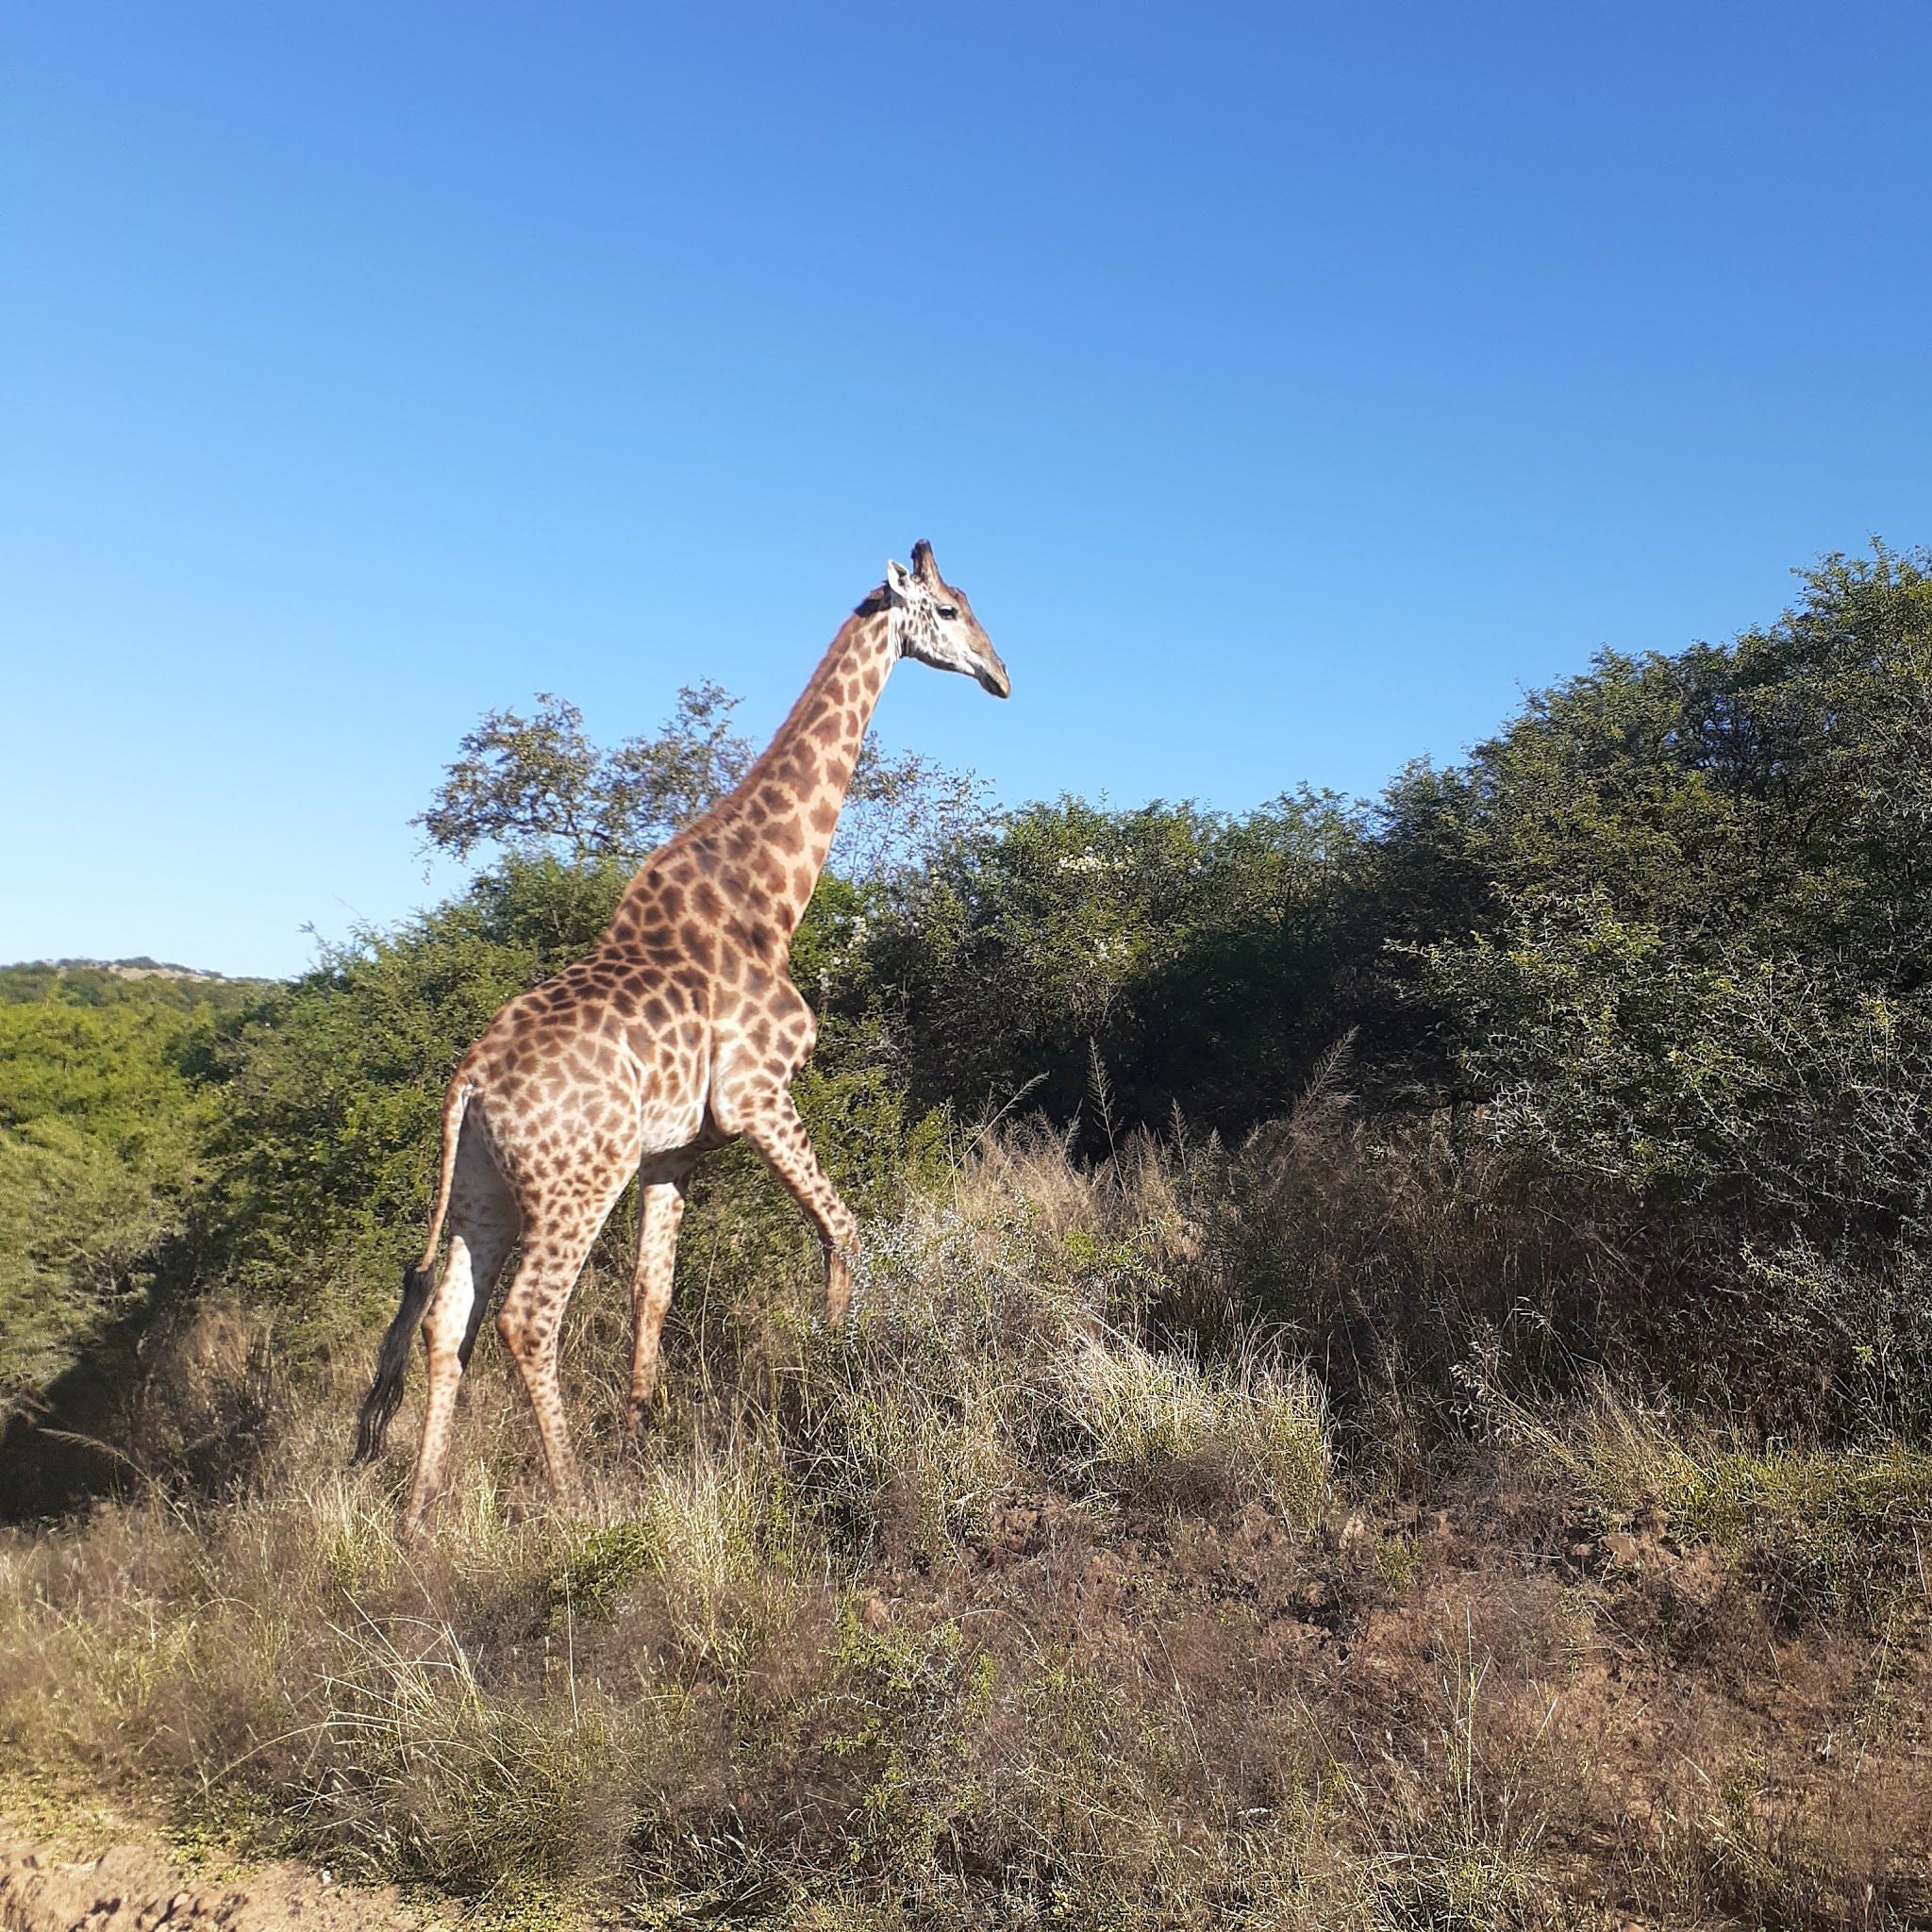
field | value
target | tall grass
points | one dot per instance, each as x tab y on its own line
1044	1591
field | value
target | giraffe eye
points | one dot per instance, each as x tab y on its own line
949	610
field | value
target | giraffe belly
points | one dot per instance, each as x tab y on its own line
673	1065
666	1126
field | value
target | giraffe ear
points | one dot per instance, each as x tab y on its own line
898	582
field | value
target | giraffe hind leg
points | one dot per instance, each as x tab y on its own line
477	1190
660	1211
476	1254
532	1323
483	1223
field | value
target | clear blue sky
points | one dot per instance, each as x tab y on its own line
1289	387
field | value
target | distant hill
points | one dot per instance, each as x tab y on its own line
116	982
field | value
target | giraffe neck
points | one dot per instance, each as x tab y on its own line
765	844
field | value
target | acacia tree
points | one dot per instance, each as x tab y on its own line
537	784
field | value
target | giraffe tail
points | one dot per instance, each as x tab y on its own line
393	1360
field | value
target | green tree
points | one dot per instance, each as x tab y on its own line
104	1120
1701	955
1195	958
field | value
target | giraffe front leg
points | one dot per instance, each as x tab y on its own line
771	1124
660	1213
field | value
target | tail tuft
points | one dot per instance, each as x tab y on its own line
391	1365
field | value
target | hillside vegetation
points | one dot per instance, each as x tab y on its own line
1391	1380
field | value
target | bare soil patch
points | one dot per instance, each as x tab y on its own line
134	1887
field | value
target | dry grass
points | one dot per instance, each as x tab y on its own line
1021	1600
1158	1425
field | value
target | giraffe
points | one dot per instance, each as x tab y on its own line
678	1031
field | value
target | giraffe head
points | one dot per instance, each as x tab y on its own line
934	622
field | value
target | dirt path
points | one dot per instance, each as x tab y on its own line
134	1888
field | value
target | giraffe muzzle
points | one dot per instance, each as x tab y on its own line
993	676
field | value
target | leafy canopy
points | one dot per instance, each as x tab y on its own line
539	784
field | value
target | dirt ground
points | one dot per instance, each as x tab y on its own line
131	1886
